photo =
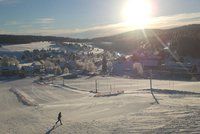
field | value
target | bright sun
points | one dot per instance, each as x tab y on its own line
137	13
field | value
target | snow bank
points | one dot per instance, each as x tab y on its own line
108	94
167	91
24	98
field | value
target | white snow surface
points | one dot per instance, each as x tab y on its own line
135	111
29	46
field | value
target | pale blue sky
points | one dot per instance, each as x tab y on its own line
84	18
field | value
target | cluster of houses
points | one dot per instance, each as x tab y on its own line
160	63
55	61
73	57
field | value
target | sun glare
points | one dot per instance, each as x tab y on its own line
137	13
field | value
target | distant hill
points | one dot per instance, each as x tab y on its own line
185	40
23	39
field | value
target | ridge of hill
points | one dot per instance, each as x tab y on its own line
185	40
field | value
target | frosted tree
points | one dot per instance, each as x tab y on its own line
104	64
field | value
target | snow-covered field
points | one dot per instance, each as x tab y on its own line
17	49
135	111
29	46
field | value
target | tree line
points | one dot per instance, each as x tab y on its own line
23	39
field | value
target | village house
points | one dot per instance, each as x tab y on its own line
9	70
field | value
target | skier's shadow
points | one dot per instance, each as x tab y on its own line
53	127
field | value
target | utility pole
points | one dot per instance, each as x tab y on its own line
152	88
150	79
95	86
